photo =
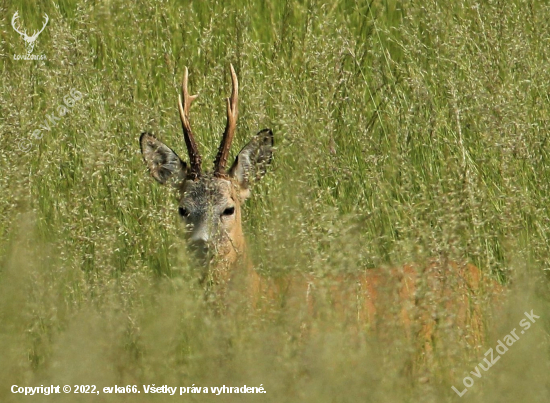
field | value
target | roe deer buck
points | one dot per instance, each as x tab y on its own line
210	203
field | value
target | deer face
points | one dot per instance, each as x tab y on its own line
211	209
210	203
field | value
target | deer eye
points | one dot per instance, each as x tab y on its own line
229	211
183	212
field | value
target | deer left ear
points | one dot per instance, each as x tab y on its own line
251	162
163	163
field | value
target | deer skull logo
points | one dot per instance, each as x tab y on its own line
29	40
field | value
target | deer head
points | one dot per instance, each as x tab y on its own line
29	40
210	202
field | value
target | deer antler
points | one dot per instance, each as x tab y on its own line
232	112
35	35
15	17
192	149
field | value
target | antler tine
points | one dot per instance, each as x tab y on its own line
14	18
192	149
232	112
43	26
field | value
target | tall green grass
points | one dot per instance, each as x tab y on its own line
405	132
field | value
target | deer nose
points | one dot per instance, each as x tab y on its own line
200	241
199	244
200	248
200	235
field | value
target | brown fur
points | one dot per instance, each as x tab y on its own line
424	299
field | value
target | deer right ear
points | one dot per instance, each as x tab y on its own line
163	163
251	163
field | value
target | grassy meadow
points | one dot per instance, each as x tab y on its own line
405	132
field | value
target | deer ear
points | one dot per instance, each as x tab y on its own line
252	161
163	163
